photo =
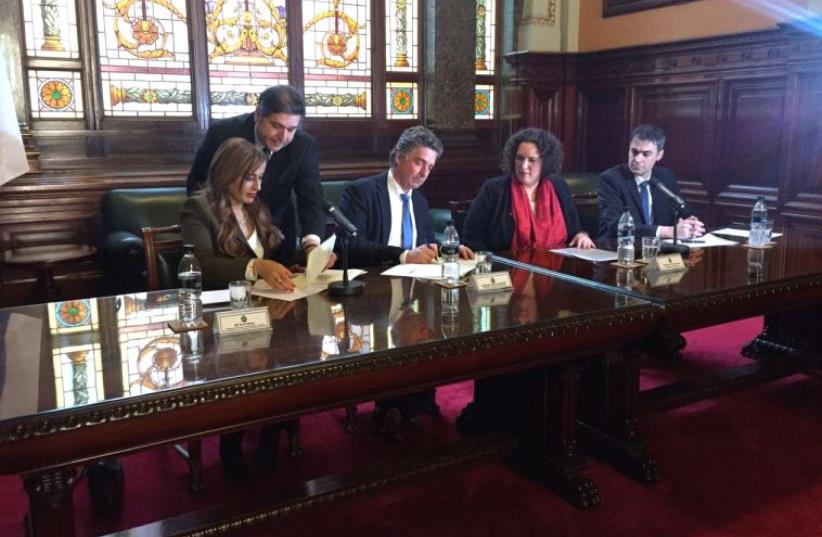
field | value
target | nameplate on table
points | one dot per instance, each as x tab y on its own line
491	281
244	320
667	263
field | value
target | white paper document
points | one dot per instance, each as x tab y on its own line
708	240
732	232
595	255
303	288
318	259
427	271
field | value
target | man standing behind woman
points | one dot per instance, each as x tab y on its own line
528	207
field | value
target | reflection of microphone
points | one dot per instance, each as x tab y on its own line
679	202
340	219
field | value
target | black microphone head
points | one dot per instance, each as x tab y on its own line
653	180
328	207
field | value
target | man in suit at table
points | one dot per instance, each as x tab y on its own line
391	217
274	127
629	185
390	214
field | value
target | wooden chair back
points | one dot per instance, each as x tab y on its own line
163	247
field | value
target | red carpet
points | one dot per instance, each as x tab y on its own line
745	463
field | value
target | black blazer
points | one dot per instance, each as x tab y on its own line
489	224
616	189
200	229
365	203
297	171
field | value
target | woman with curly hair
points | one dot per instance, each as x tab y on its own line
230	228
528	207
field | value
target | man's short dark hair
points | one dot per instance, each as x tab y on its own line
280	100
649	133
412	138
548	146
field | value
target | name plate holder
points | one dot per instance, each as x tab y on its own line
490	281
667	263
239	321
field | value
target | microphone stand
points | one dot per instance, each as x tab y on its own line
346	287
676	247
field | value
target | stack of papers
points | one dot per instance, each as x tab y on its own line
732	232
595	255
303	288
429	271
706	241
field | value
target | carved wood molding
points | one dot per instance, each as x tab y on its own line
71	420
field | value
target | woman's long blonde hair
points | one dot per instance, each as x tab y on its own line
234	160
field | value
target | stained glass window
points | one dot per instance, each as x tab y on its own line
78	375
145	66
401	35
56	94
73	316
50	29
486	36
484	102
247	52
401	98
337	57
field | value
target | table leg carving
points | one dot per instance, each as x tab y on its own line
609	416
51	512
790	336
540	407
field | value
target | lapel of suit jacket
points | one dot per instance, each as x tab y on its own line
633	192
384	208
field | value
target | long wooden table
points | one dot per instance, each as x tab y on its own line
88	379
721	284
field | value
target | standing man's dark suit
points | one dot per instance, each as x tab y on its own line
365	202
294	168
617	189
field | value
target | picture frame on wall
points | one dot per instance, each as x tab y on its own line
612	8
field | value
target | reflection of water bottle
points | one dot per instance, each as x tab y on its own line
450	303
759	220
756	263
450	251
625	279
191	287
625	238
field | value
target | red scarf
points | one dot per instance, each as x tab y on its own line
543	227
543	259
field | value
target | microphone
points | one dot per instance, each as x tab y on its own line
340	219
679	202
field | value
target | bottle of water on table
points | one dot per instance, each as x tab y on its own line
450	251
625	238
759	223
190	276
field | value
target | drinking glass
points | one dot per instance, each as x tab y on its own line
483	259
650	247
240	294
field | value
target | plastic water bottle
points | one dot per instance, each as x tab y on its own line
191	287
625	238
450	251
759	221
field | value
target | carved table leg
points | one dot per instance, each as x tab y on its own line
609	427
540	406
50	503
791	337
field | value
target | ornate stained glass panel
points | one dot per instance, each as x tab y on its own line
337	57
247	52
401	35
55	94
145	64
78	374
486	36
402	99
483	102
50	29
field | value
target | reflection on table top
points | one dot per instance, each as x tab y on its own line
796	255
73	354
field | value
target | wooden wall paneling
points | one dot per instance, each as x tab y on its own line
750	146
802	186
602	130
687	112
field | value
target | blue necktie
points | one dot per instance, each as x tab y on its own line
407	226
645	194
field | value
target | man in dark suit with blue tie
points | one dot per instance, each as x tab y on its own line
293	166
630	185
390	214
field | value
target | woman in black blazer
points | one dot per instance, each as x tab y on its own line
528	207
